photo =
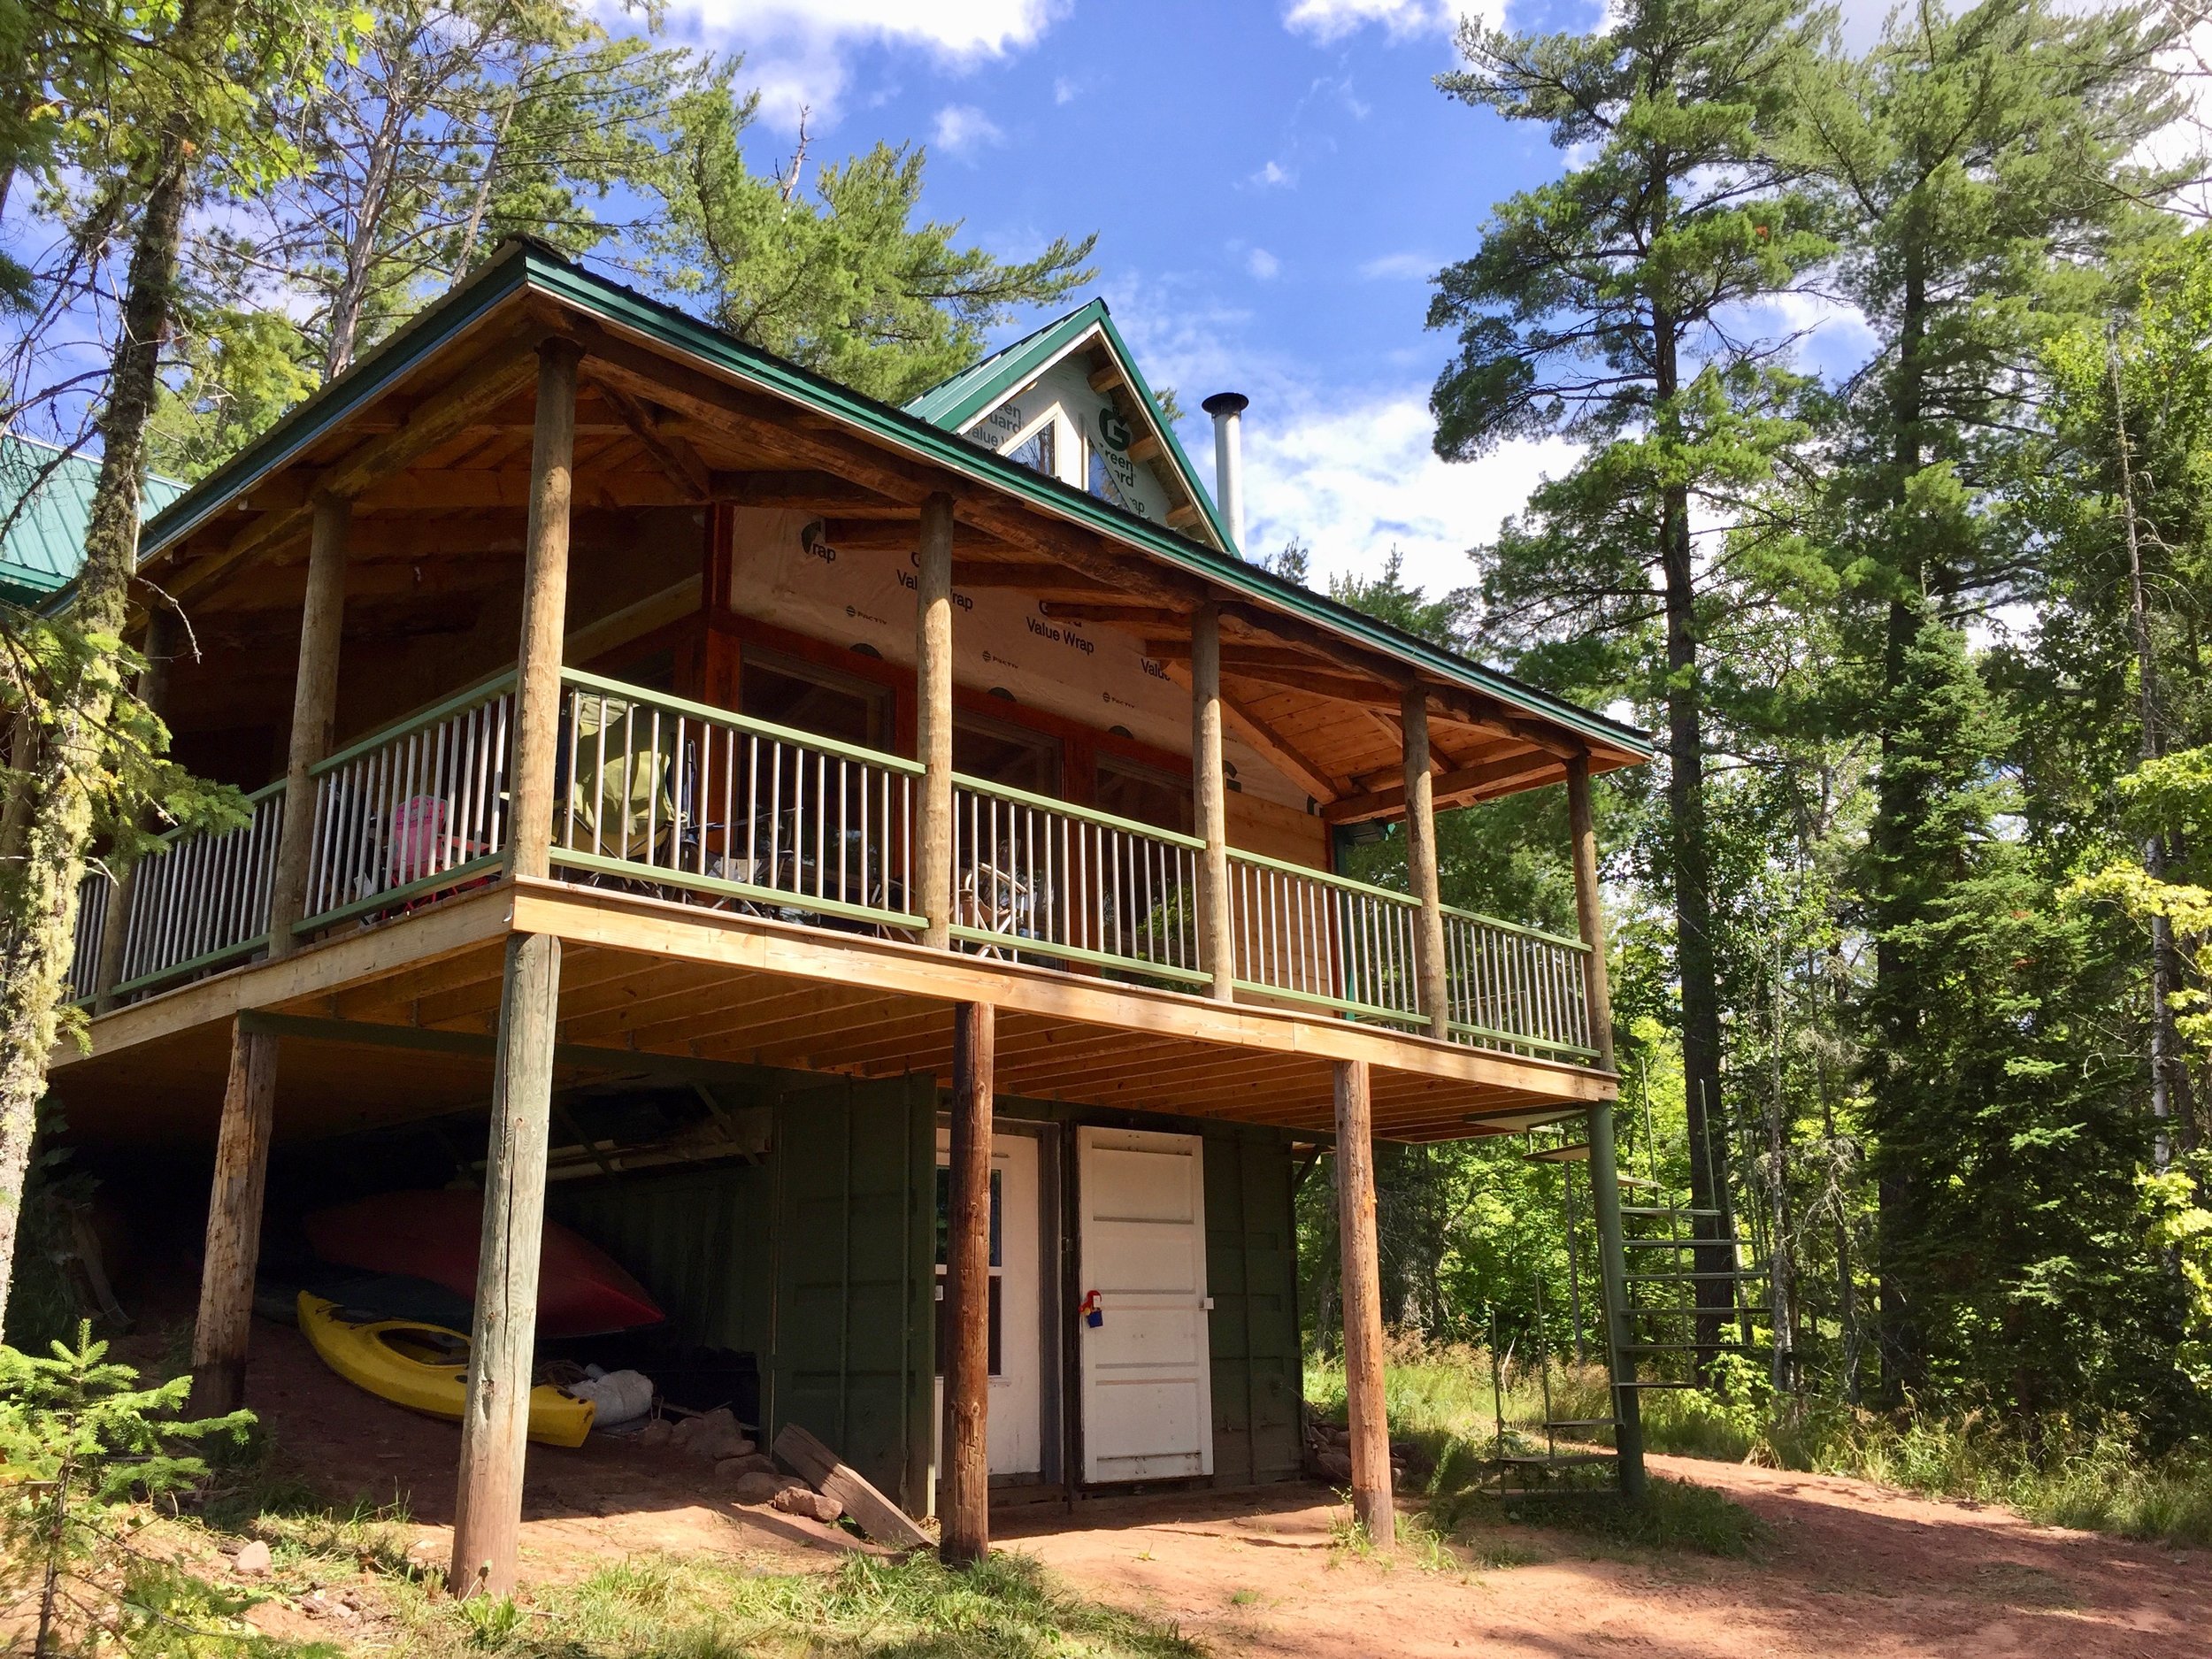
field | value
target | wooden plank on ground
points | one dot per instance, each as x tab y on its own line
821	1469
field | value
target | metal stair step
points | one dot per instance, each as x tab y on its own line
1558	1461
1641	1386
1683	1347
1682	1244
1669	1210
1676	1278
1582	1423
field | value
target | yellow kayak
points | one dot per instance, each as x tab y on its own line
426	1368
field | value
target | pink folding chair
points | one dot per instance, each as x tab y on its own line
420	845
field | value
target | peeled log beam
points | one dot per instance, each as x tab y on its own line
1449	788
501	372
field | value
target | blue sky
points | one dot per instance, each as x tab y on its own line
1272	183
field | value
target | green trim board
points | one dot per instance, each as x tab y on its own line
523	266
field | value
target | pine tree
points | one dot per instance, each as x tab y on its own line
1606	307
1977	168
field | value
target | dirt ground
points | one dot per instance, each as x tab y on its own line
1852	1570
581	1507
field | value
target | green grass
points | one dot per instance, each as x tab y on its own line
2055	1472
666	1607
1442	1399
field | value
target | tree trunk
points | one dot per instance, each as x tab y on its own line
1691	857
2168	1075
41	893
1895	1000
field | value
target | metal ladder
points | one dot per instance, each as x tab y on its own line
1673	1275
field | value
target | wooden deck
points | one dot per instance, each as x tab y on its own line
395	1021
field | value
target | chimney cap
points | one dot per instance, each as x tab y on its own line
1226	403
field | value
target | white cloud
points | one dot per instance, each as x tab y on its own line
1263	264
1274	176
1354	481
1401	267
963	129
1064	91
1328	21
799	52
1348	471
1325	22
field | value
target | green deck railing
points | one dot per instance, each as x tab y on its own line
659	793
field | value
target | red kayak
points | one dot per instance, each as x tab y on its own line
436	1235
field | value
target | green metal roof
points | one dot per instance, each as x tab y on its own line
953	403
526	266
45	505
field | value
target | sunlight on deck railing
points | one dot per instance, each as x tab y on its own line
1036	877
660	795
412	812
203	901
732	813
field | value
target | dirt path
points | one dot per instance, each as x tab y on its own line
1852	1570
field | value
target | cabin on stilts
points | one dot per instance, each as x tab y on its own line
871	871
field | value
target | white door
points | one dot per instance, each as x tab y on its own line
1148	1389
1016	1429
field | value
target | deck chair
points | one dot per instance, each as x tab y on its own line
619	803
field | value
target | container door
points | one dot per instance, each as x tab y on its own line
1147	1394
849	1357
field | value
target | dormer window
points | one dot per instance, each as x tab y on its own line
1036	453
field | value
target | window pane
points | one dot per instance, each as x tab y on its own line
1036	451
823	704
944	1216
1006	755
1144	796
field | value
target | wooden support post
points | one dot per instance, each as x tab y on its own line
545	610
314	716
965	1506
932	670
1363	1305
495	1421
1605	1201
1428	936
1210	802
153	692
233	1225
1605	1186
1590	908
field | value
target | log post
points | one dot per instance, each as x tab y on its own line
1605	1201
495	1421
1590	908
933	724
233	1225
1605	1186
314	716
544	611
1429	960
1363	1305
1210	802
965	1509
153	692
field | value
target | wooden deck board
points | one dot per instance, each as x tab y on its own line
646	980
